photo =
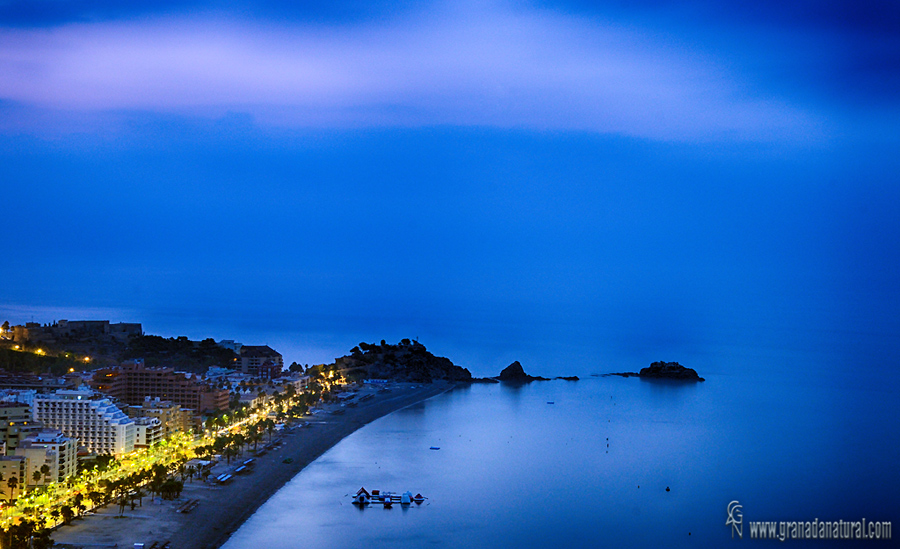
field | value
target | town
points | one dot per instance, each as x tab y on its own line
81	427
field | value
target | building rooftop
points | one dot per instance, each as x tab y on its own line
44	436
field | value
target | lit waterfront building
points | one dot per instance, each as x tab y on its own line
173	418
95	422
148	431
16	423
12	467
51	448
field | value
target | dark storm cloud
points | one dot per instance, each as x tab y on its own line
854	47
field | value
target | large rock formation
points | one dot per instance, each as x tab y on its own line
670	370
406	361
515	373
663	370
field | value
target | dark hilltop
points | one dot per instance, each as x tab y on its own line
406	361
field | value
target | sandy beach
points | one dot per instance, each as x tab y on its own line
221	509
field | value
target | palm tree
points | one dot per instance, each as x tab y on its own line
95	497
239	440
13	482
66	513
78	500
45	470
36	476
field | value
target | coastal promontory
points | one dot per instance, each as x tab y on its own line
405	361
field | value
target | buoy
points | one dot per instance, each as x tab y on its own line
667	488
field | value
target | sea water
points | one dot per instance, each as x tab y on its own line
604	461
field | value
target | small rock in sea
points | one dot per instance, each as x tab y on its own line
667	488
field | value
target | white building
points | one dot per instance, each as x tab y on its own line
147	431
51	448
95	422
21	396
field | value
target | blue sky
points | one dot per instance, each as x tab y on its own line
574	185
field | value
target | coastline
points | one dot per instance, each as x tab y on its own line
222	509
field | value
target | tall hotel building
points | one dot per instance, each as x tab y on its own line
96	423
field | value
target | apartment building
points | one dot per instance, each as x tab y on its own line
51	448
172	416
132	382
12	466
16	423
96	423
147	432
253	357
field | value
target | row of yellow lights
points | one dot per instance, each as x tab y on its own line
134	461
86	359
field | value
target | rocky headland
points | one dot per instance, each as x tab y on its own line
405	361
411	361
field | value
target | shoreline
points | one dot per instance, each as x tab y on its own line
222	509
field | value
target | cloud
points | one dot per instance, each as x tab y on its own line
467	67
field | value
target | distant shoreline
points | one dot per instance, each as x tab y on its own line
223	509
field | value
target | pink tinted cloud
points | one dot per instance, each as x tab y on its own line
491	67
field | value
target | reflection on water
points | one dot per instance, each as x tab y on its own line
594	466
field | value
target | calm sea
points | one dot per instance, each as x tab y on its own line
593	467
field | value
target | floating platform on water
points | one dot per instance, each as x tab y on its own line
376	497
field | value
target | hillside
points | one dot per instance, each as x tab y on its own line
406	361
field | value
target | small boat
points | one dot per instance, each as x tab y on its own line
550	402
435	448
406	498
418	498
